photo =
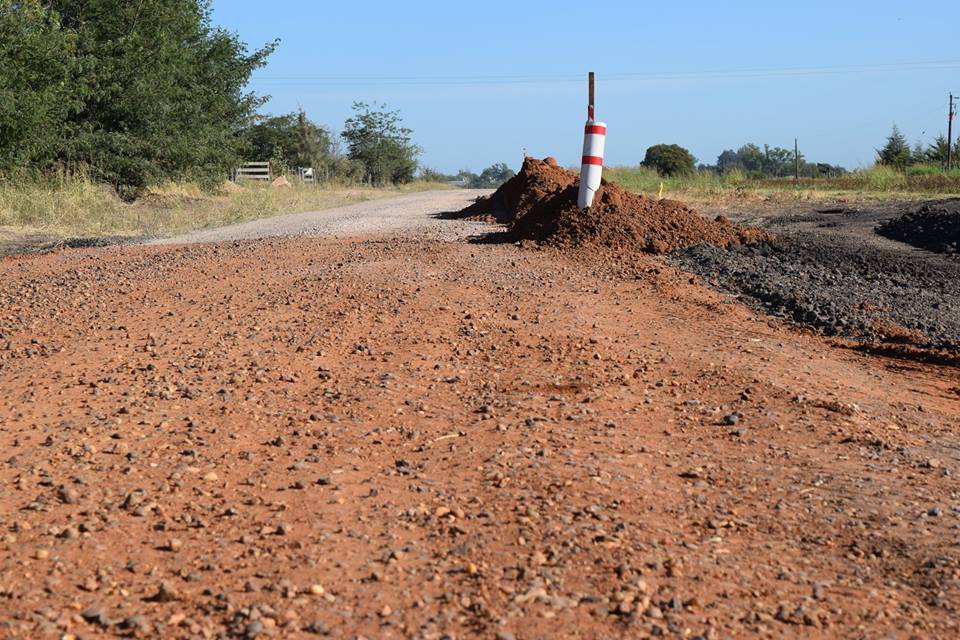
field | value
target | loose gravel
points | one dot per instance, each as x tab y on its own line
830	270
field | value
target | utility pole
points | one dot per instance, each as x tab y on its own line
950	114
796	160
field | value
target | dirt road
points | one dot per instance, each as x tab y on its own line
419	437
416	213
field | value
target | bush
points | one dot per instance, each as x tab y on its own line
669	160
429	175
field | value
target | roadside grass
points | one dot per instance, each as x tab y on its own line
72	206
719	192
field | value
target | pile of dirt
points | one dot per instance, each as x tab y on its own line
935	226
540	203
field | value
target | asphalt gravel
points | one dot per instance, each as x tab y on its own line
830	269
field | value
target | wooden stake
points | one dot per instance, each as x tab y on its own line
590	113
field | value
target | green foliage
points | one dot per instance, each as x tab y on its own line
138	91
302	143
896	152
430	175
492	177
936	151
768	162
36	97
669	160
376	138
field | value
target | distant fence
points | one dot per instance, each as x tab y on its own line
252	171
260	171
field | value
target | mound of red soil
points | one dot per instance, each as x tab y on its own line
540	203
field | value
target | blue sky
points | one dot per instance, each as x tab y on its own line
480	82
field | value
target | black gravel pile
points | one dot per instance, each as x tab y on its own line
836	275
935	227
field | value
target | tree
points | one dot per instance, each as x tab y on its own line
303	142
777	161
729	160
936	151
896	152
669	160
138	91
753	160
492	177
376	138
36	96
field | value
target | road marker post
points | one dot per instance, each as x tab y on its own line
591	164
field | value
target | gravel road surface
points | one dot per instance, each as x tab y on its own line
413	436
414	213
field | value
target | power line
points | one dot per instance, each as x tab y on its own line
532	79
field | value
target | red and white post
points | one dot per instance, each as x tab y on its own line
591	166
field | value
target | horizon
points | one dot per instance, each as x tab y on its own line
475	106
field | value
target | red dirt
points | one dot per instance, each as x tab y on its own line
413	439
540	203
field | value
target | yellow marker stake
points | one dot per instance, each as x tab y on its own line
660	194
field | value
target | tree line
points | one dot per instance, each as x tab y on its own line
897	152
750	160
137	93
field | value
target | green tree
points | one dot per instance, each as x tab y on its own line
492	177
303	142
138	91
669	160
376	138
36	93
936	151
896	152
729	160
753	159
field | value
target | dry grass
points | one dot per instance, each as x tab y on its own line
710	192
78	207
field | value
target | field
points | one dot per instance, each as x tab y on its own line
715	192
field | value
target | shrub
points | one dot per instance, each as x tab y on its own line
669	160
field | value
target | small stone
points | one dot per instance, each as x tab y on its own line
653	612
174	544
95	615
505	635
68	495
732	419
211	477
135	622
166	593
41	554
254	629
69	533
317	590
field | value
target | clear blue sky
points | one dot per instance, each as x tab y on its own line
478	82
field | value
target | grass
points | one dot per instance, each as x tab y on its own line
718	192
71	206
